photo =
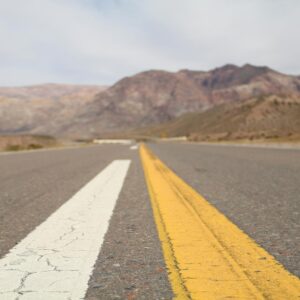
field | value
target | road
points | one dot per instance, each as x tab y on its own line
257	189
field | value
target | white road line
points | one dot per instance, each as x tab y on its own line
55	261
134	147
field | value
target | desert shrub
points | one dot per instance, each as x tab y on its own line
261	98
13	148
44	137
34	146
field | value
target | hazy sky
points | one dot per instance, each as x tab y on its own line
100	41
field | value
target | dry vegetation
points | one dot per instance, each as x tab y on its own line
271	118
26	142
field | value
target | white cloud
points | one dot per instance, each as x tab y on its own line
96	41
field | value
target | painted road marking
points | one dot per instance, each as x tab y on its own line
55	260
208	257
134	147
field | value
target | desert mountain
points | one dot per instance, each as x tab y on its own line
147	98
42	108
264	117
157	96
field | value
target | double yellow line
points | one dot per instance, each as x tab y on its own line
207	256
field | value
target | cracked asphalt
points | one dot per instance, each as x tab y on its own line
258	189
34	185
131	264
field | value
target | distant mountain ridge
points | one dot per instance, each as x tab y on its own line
158	96
155	96
49	91
42	109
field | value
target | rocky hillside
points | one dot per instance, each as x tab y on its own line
147	98
43	109
158	96
264	117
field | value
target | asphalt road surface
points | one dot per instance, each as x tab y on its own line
258	189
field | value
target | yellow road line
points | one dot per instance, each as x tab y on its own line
208	257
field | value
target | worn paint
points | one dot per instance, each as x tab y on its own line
208	257
55	261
